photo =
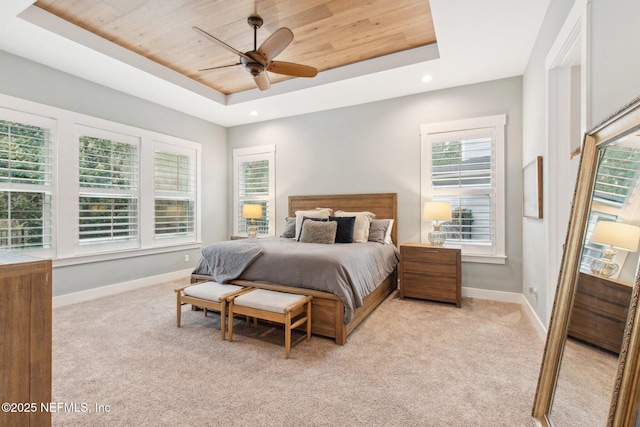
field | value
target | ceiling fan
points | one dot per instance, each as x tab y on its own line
260	59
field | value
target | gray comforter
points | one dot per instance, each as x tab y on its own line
351	271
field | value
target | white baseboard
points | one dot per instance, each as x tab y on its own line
491	295
535	320
509	297
90	294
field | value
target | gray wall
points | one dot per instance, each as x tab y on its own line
615	57
614	81
376	148
28	80
534	141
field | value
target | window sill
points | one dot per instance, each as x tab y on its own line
485	259
109	256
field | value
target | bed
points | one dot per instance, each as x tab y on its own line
329	310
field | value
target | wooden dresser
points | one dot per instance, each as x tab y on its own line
430	272
599	312
25	348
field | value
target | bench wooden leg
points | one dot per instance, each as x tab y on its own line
309	321
179	309
223	318
230	321
287	334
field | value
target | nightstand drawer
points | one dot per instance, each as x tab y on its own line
429	255
434	269
426	286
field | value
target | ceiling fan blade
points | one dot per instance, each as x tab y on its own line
275	43
262	81
220	43
221	66
291	69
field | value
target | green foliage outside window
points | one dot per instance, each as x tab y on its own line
24	159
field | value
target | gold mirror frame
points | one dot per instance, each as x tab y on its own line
623	409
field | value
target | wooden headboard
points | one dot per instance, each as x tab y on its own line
383	205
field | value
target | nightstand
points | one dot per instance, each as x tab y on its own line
431	273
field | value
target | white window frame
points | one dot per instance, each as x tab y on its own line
108	246
65	190
264	152
49	123
494	125
193	195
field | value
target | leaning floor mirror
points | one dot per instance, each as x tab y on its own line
591	364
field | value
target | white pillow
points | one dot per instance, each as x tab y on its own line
316	213
361	227
387	237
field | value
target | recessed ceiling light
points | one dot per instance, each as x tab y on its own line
254	113
426	78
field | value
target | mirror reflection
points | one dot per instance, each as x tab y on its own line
608	267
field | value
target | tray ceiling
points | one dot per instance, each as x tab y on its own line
328	34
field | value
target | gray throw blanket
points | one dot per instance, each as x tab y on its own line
226	261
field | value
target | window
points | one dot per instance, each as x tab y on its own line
463	164
175	191
121	190
614	198
254	183
25	181
108	181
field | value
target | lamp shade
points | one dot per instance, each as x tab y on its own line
616	234
252	211
437	211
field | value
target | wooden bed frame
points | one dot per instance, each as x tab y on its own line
327	309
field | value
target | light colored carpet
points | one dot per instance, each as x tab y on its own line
585	385
411	363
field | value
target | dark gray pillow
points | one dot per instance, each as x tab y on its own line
378	230
289	227
346	225
319	232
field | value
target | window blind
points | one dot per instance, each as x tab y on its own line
174	217
107	164
253	184
614	194
174	172
175	187
107	218
617	177
25	163
108	201
462	173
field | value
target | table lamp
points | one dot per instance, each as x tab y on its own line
252	212
612	235
437	211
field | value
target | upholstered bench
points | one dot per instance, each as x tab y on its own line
209	296
279	307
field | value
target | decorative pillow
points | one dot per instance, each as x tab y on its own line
380	230
316	213
306	218
346	224
361	228
289	227
387	237
319	232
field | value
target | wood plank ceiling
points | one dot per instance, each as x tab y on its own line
327	33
